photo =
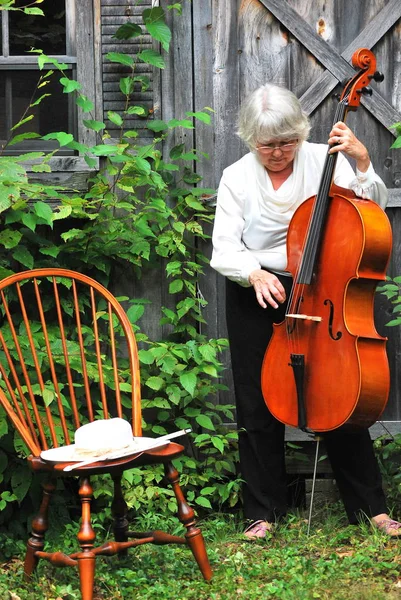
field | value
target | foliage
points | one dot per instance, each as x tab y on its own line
392	290
143	213
335	562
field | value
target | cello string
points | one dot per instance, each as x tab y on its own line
312	239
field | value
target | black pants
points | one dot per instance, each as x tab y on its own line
261	436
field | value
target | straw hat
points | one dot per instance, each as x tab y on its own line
97	439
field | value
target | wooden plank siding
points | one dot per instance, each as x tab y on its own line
115	13
223	49
240	44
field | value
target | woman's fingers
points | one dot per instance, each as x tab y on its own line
268	288
342	139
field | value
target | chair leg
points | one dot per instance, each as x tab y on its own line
86	538
186	515
40	525
119	511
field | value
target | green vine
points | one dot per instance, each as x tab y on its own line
142	212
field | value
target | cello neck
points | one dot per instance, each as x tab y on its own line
315	232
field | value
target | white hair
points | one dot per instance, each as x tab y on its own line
271	113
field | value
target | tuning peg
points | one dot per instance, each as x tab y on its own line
377	76
367	91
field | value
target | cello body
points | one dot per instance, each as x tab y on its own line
345	375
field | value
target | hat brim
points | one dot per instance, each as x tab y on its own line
72	454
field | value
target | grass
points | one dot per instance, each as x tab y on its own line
336	561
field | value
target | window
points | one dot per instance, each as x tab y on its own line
55	35
67	33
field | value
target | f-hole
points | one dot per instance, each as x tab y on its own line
331	316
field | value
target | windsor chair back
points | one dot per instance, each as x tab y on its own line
69	357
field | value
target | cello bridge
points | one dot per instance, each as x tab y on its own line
304	317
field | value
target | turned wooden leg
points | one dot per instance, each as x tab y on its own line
119	511
186	515
86	538
40	525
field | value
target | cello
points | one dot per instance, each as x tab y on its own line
326	365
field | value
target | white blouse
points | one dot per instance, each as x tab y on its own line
252	218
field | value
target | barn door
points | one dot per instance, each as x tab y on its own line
307	47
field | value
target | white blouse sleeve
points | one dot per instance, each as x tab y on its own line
230	256
365	185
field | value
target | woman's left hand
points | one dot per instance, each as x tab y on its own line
343	140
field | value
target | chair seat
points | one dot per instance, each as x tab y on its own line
150	457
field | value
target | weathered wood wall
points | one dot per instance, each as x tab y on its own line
223	49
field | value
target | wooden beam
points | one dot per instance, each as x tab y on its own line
379	429
329	57
368	37
394	198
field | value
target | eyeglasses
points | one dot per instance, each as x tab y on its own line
282	146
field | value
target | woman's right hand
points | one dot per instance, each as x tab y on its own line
268	288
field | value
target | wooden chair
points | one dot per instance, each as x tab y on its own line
61	366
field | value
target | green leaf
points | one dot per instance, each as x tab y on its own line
146	357
44	211
136	110
210	370
29	135
135	312
122	59
26	120
155	383
115	118
201	116
188	382
128	31
63	138
394	322
152	58
195	204
71	234
94	125
39	100
157	125
62	212
21	479
154	20
208	352
29	220
177	151
142	165
91	162
41	168
127	85
181	123
9	238
69	85
203	502
84	103
205	422
23	256
52	251
48	396
207	491
34	11
218	443
105	150
176	286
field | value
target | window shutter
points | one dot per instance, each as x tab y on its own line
114	14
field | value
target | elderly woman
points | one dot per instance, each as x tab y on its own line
257	197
